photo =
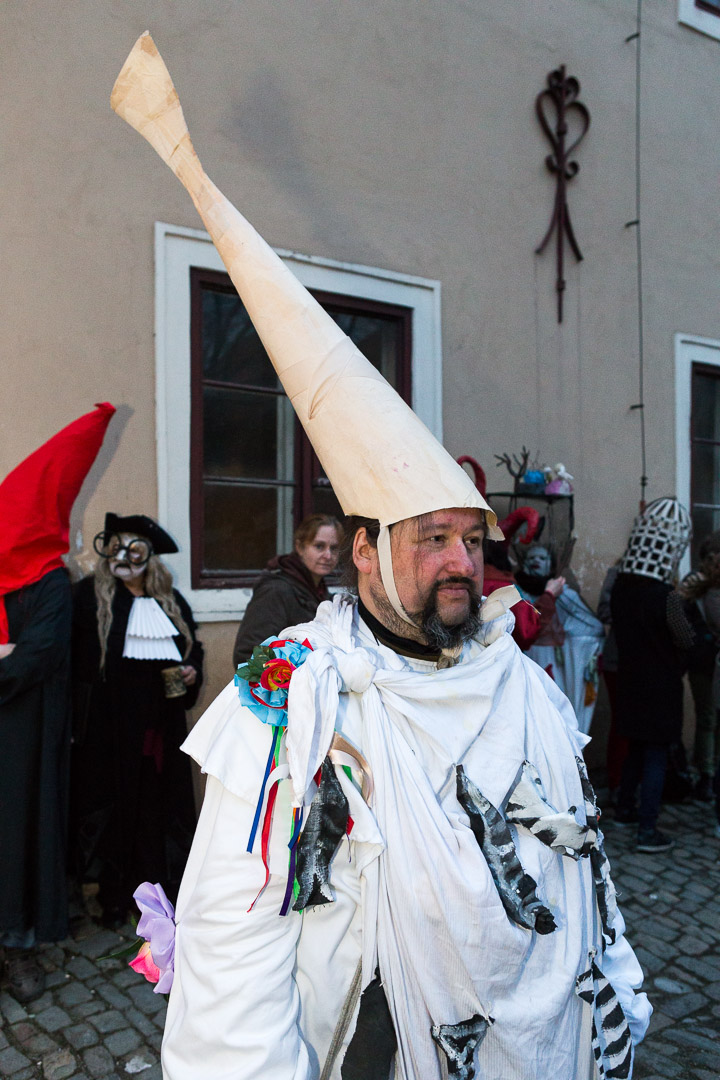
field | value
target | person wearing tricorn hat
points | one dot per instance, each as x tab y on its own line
36	500
398	868
137	666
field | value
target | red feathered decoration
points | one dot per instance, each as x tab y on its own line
523	515
36	499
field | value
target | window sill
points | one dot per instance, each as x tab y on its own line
705	22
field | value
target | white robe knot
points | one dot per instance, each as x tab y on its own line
356	670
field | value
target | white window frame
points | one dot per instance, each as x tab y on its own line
703	21
689	349
176	250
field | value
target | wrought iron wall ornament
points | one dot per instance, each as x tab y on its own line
561	96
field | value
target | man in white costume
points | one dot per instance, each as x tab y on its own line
446	908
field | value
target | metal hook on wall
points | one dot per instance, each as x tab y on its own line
561	96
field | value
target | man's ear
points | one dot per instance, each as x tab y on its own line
363	552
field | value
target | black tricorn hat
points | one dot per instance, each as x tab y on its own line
162	542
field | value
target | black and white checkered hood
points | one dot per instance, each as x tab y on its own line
658	540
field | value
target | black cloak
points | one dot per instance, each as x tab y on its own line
34	759
133	811
652	633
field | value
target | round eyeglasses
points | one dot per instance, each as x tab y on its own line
110	546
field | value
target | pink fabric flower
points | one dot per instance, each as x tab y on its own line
145	965
157	926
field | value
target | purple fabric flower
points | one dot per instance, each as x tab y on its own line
157	926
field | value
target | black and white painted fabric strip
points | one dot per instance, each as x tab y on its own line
591	811
611	1040
528	808
604	891
604	888
515	888
459	1043
319	840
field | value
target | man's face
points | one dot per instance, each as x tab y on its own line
439	556
438	569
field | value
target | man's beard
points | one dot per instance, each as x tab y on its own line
438	634
444	635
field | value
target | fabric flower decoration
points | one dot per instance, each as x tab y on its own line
263	682
145	965
156	959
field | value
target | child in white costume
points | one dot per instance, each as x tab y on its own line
450	857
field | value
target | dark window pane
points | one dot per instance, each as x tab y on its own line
706	473
325	502
704	522
705	406
241	525
251	434
713	6
231	348
247	435
377	337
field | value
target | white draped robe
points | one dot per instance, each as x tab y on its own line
257	995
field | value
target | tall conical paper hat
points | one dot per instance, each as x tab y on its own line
379	457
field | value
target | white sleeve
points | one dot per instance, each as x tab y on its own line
234	1004
622	969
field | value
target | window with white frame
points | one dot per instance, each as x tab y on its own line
697	364
702	15
235	470
254	475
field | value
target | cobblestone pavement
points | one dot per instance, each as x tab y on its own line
671	903
98	1019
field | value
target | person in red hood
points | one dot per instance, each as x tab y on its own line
291	586
36	499
531	620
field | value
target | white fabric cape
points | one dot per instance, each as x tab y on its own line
258	995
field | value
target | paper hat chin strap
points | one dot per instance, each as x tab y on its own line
388	577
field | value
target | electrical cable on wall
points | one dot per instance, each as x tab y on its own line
636	223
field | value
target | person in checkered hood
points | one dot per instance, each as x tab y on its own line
652	634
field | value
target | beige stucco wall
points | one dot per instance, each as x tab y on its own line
394	133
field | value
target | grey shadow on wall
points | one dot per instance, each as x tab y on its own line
113	435
266	125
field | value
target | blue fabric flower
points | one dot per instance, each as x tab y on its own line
263	681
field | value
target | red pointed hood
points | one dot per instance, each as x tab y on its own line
36	499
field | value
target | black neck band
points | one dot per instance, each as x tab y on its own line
403	646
